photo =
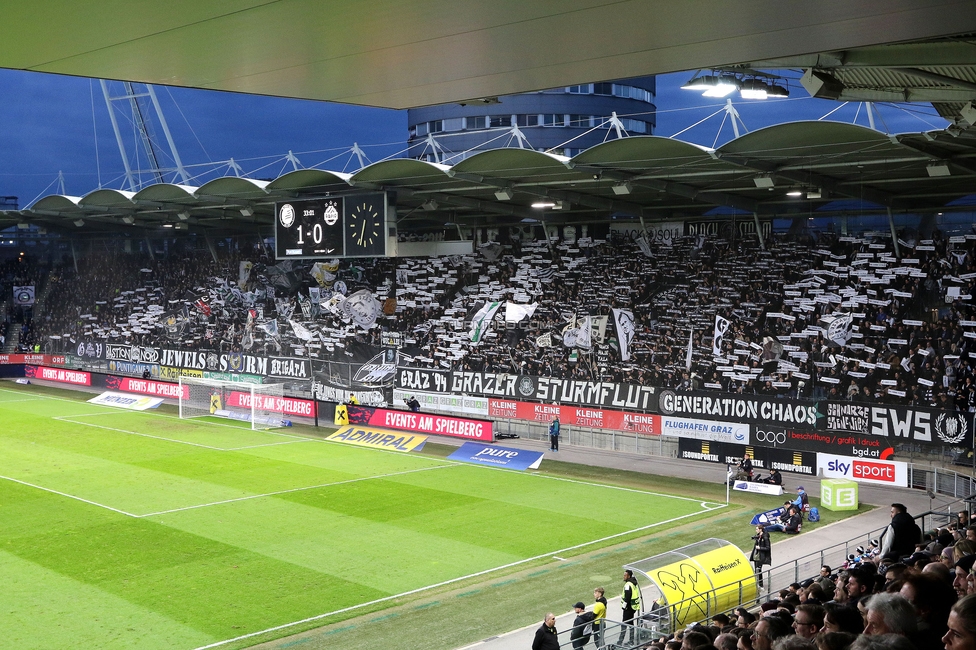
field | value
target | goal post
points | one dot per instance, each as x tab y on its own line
259	404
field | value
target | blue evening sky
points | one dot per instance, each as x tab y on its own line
50	123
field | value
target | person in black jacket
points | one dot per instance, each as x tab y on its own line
545	636
762	552
902	534
582	626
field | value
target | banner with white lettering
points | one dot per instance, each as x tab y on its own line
428	423
740	408
910	424
882	472
764	459
601	394
494	456
705	430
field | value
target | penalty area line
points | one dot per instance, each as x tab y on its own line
70	496
419	590
300	489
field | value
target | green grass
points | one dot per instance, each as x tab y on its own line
140	530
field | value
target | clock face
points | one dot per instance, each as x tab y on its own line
365	226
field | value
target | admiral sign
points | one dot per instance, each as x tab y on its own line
734	407
600	394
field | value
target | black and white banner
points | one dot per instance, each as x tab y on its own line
237	362
725	406
901	423
721	326
423	379
623	320
550	389
763	459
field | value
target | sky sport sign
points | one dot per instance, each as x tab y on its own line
882	472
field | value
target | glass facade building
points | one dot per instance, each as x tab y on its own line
564	120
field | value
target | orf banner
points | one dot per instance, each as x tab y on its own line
428	423
507	457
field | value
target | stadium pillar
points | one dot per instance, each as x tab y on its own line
762	244
894	237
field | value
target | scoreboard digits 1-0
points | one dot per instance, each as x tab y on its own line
346	226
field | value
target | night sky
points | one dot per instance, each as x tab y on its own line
49	125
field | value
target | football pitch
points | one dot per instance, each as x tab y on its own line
129	529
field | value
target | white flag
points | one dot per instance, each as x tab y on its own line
482	320
301	331
584	337
623	319
544	341
691	335
721	326
271	328
515	312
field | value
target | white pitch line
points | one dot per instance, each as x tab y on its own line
70	496
446	582
270	444
301	489
67	418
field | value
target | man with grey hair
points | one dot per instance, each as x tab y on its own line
889	613
725	641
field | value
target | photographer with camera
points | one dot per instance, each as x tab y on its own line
743	471
412	404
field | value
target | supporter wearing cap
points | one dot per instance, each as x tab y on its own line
961	581
582	626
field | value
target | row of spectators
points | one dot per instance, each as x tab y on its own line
908	341
925	601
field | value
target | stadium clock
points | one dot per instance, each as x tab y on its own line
365	226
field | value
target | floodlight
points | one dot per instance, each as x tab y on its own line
775	90
722	87
430	204
622	188
938	169
542	205
794	193
763	181
753	89
504	194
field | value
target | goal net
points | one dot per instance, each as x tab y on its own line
259	404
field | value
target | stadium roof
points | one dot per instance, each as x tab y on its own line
407	54
790	170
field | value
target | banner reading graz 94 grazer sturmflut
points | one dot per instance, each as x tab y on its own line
602	394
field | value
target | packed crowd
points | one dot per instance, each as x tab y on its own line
893	595
842	318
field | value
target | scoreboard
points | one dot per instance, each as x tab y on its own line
342	226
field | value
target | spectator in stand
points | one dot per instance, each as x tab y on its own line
963	582
890	614
767	630
808	621
840	618
902	533
961	634
835	640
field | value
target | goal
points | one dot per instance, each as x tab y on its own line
259	404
